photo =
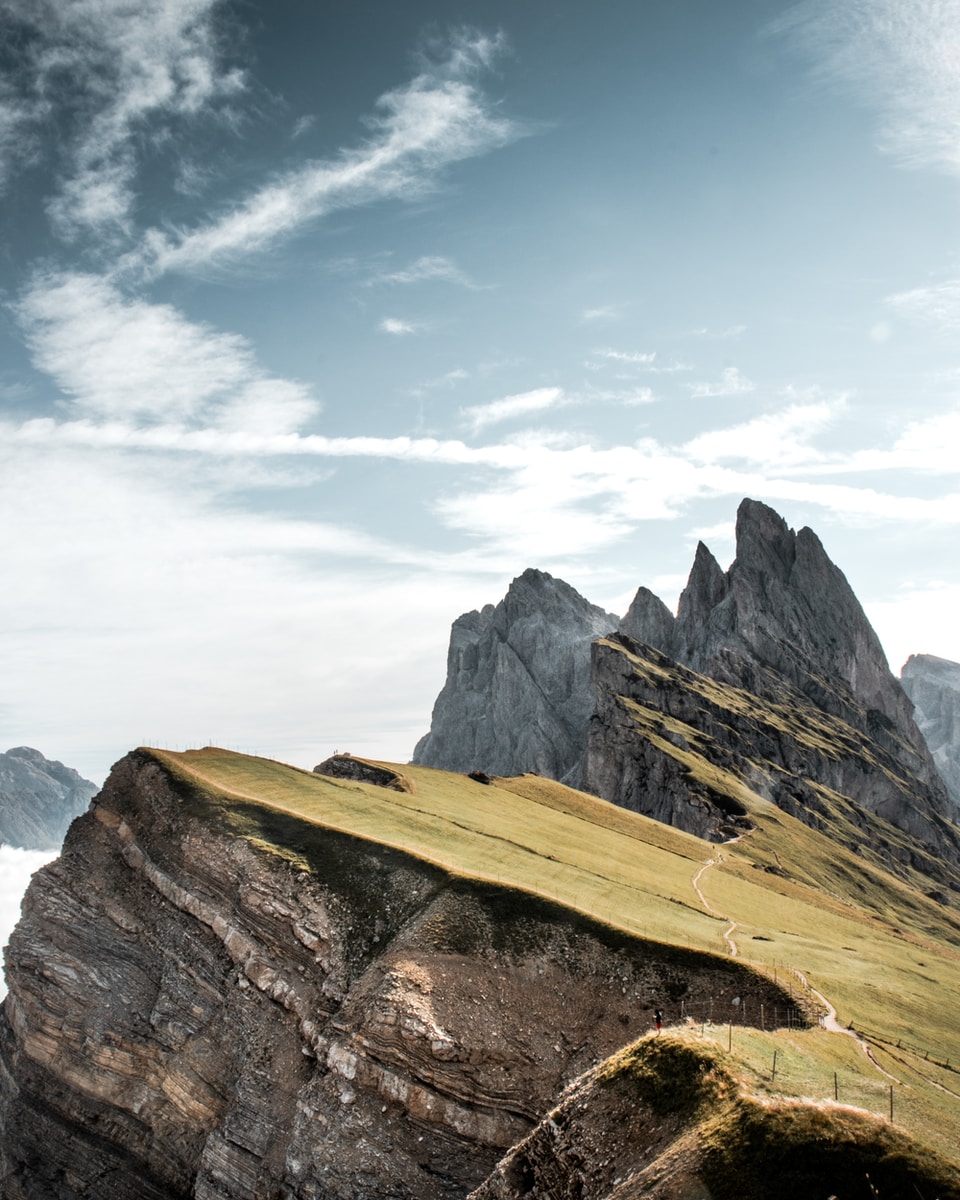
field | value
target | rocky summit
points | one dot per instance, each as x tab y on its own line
780	635
39	798
517	695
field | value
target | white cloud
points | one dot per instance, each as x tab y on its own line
122	65
724	532
448	380
398	327
118	357
720	335
937	305
671	368
730	383
930	444
519	405
631	397
19	117
16	868
901	56
437	119
636	357
302	125
917	620
775	440
115	552
606	312
430	267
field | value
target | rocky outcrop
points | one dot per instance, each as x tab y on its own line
197	1012
784	605
933	685
781	625
39	797
665	1120
517	695
697	753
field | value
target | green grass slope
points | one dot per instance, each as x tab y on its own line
785	899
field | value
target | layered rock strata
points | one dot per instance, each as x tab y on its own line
664	1120
697	753
197	1013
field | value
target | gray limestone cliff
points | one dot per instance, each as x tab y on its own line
39	797
782	626
199	1014
933	684
517	695
697	753
784	605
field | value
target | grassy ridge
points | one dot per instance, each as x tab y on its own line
879	950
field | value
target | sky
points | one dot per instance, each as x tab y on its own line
321	322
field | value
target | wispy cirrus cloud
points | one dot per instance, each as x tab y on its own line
522	404
438	118
639	358
937	305
431	267
901	57
605	312
115	69
116	356
775	440
730	383
729	333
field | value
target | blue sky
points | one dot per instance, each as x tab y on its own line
322	322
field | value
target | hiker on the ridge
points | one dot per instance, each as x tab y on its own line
658	1018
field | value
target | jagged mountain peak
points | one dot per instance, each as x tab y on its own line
537	593
517	695
784	604
781	623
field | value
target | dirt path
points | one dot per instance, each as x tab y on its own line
728	932
829	1022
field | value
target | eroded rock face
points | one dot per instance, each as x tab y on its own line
194	1015
645	1123
933	684
784	605
681	747
39	797
517	695
781	622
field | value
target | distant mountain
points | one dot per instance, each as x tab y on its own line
39	797
933	684
769	676
517	696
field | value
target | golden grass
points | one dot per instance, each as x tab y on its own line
886	956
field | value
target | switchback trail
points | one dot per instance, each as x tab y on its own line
728	932
829	1020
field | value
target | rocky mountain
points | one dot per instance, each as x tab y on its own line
39	798
780	632
212	997
933	684
517	695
